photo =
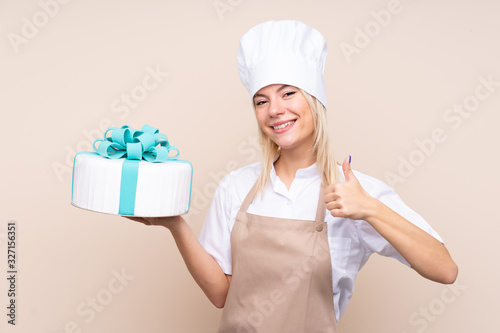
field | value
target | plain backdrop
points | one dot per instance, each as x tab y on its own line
414	96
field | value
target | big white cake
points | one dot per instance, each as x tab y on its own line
163	189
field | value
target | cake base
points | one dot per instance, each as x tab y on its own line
162	189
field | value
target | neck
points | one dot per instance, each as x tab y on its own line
292	160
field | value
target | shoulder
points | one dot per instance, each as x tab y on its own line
252	170
241	180
370	184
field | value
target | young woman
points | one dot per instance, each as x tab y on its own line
284	239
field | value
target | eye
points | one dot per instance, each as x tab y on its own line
259	103
289	93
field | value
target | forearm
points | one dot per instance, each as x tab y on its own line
202	266
428	256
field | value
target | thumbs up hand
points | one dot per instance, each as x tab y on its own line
349	199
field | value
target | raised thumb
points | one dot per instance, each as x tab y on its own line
346	167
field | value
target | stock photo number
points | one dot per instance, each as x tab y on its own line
11	271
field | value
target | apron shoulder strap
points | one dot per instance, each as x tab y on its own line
248	199
320	212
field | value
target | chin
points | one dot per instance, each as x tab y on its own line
285	145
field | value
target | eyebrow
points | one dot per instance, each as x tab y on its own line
278	90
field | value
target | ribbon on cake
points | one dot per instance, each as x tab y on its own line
134	145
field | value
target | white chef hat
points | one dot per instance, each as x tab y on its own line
283	52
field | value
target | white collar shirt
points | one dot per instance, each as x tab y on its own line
351	241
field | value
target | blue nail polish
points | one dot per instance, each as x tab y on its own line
349	159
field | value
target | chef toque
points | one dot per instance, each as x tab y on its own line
283	52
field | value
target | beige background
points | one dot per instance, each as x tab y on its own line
66	78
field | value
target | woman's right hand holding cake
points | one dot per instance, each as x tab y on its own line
163	221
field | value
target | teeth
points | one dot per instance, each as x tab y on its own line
284	125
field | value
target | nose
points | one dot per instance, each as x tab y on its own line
275	108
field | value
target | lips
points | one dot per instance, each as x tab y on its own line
279	126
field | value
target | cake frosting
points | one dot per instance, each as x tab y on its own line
163	189
118	181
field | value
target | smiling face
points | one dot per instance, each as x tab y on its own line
285	116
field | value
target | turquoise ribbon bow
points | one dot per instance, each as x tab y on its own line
134	145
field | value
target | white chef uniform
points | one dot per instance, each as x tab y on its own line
351	241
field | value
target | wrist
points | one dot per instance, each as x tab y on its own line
174	223
374	210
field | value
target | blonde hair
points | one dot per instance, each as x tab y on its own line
325	161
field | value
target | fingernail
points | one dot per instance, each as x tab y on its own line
349	159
